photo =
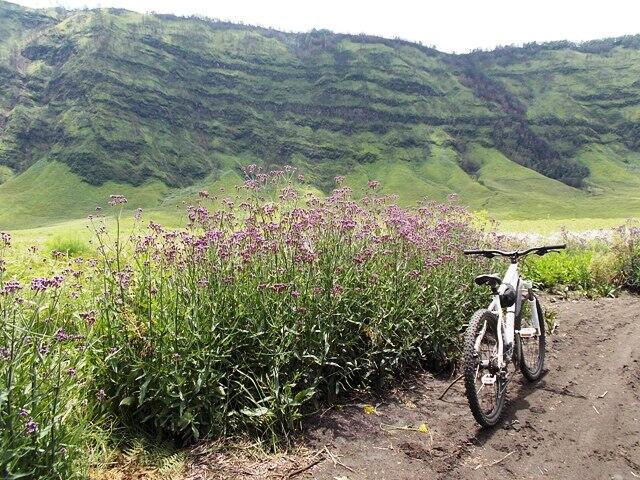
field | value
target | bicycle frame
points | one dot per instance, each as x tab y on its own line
506	320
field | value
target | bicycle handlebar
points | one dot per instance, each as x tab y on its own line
514	255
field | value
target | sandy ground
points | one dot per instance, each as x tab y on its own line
580	421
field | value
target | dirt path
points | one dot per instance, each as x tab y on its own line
581	421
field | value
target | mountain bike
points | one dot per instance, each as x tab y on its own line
509	332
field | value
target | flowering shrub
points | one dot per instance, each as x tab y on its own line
265	307
627	246
42	377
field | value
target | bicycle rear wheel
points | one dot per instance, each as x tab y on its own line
532	342
485	386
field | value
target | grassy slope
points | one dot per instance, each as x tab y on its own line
49	192
582	101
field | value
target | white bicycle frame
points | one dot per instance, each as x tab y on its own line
506	320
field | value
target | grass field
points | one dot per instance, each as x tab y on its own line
49	200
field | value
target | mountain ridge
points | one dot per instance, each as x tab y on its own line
117	96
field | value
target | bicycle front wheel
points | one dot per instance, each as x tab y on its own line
532	341
485	386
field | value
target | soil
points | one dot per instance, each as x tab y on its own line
581	420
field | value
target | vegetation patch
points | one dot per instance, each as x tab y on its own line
595	268
68	245
252	316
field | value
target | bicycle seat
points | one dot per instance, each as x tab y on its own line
491	279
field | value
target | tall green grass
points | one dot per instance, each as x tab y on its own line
567	268
68	245
44	377
595	268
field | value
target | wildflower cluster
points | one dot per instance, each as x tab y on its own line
117	200
12	286
5	239
275	300
42	284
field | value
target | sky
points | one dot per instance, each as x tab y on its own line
451	25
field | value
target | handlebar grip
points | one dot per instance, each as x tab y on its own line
556	247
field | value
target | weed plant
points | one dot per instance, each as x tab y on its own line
265	308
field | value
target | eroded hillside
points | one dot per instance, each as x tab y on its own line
116	96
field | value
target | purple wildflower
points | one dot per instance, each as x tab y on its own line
89	317
55	281
42	284
61	335
288	193
39	284
347	224
31	427
269	209
100	395
5	354
11	286
5	238
279	287
117	200
373	184
124	277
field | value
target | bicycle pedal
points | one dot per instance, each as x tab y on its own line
528	332
488	379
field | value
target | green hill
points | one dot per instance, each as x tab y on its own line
99	101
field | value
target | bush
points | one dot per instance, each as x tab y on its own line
597	268
569	268
260	311
69	246
626	246
606	271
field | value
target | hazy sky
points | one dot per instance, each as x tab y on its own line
450	25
